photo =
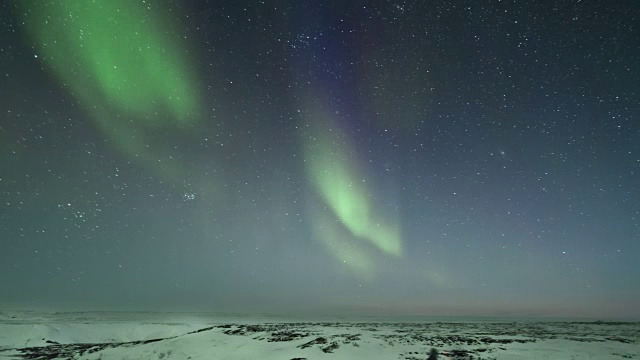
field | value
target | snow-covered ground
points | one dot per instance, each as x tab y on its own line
113	335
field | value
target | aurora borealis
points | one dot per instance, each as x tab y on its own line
343	189
130	76
374	158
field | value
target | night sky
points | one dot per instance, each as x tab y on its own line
321	157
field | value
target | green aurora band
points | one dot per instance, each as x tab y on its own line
116	58
333	173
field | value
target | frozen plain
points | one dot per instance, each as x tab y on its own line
127	335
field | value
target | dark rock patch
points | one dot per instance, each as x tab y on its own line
329	349
282	336
619	339
316	341
202	330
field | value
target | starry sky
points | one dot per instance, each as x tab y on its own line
361	157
